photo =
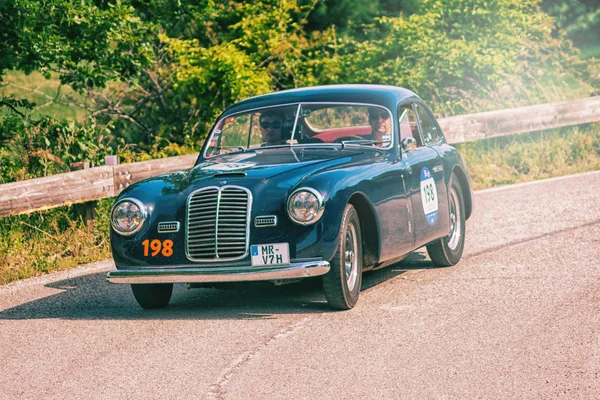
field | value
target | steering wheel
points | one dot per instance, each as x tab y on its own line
348	138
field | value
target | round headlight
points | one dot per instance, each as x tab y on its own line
305	206
128	216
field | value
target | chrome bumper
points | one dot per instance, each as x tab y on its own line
228	274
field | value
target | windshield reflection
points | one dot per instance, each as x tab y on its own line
303	124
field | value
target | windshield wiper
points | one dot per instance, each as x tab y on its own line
363	142
230	148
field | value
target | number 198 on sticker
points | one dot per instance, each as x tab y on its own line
155	247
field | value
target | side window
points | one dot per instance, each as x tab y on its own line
408	124
428	126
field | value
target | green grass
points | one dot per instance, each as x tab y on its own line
49	241
533	156
50	96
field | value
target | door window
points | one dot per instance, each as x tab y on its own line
428	126
409	126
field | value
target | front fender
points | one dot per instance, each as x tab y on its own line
337	191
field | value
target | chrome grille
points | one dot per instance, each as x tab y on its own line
217	223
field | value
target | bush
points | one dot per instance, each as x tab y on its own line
469	55
35	148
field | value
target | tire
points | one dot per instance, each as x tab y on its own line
154	295
342	283
448	250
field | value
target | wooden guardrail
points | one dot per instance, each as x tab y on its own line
108	181
466	128
82	186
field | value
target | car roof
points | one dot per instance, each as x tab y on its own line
383	95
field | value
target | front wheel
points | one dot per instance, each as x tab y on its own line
152	295
342	283
448	250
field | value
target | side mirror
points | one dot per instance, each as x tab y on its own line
409	144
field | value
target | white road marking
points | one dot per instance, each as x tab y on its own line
531	183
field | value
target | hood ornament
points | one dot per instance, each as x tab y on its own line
222	182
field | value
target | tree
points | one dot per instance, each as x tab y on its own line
464	55
579	18
88	43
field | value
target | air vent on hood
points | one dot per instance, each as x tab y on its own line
230	175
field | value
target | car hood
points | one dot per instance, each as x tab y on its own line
282	167
268	163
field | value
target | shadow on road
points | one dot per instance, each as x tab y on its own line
90	297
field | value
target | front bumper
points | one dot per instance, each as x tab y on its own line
183	274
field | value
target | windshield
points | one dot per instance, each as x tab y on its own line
304	124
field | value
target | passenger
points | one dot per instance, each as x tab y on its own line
381	127
271	123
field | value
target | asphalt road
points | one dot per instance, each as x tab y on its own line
518	317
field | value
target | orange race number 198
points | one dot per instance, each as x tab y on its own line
164	247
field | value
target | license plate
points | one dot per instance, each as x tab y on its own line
270	254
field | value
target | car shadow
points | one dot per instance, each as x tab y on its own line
92	297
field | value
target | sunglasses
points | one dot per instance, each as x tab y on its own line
382	115
267	125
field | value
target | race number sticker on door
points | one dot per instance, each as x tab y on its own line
429	196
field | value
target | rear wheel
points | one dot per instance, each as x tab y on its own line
154	295
448	250
342	283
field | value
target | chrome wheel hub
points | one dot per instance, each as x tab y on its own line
349	259
455	221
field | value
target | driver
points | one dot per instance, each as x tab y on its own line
380	122
271	123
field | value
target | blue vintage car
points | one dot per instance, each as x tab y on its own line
323	182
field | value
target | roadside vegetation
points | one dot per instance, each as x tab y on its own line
43	242
143	80
528	157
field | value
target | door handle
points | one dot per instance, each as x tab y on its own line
407	166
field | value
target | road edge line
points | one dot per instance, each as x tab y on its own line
536	182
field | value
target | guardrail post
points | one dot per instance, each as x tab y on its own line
111	160
86	211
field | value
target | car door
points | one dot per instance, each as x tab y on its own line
425	178
392	204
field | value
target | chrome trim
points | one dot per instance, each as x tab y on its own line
216	224
258	225
455	221
320	199
298	109
161	227
187	218
183	274
143	215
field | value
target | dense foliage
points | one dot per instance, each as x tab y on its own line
580	19
156	73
